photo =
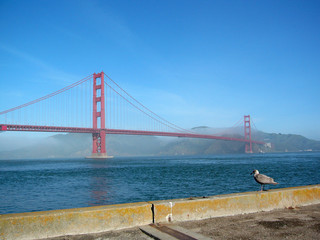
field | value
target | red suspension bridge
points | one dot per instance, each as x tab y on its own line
98	105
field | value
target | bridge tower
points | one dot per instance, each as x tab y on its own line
247	133
98	118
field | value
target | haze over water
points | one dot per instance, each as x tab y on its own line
38	185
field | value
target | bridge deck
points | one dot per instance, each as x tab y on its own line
34	128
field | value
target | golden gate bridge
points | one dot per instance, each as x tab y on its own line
98	105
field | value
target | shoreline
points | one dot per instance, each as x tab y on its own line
55	223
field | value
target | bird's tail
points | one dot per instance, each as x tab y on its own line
275	183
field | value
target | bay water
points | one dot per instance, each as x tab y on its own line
29	185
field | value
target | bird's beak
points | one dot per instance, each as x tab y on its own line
251	173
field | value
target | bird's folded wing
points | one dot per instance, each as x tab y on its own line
264	179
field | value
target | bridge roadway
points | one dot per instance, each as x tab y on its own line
35	128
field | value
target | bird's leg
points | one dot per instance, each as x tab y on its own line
261	188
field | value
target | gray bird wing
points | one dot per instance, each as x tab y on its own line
263	179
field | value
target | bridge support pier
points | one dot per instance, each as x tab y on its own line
98	118
99	146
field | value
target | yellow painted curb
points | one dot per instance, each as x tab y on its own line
74	221
232	204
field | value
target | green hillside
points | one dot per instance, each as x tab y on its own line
79	145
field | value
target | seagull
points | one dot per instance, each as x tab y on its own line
262	179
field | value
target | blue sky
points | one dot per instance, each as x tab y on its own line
194	63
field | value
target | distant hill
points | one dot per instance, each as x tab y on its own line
79	145
75	145
287	142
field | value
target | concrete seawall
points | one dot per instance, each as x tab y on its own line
233	204
45	224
